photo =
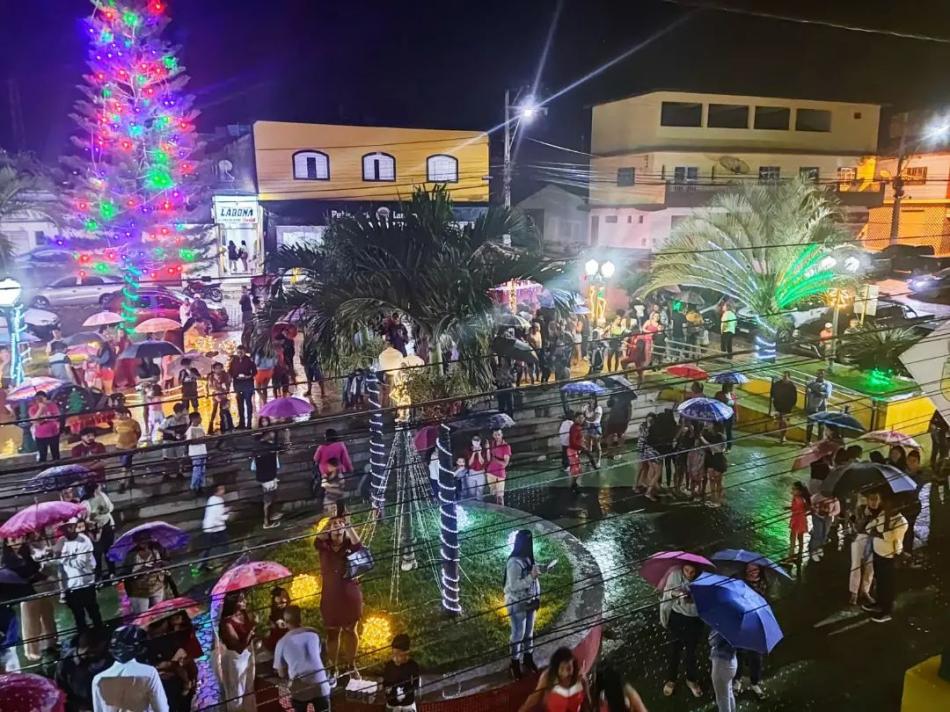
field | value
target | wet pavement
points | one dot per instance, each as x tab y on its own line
832	657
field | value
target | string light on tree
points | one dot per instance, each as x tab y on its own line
137	161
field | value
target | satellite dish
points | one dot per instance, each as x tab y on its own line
734	165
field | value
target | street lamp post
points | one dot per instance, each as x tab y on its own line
936	131
524	111
598	273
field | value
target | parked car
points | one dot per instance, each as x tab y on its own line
930	286
155	302
908	258
74	290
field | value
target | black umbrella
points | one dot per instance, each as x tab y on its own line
151	349
512	320
842	421
515	349
483	420
73	399
866	475
85	337
56	478
621	383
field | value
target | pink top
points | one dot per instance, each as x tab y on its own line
496	465
329	451
48	427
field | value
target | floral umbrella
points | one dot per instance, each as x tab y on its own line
31	386
37	517
166	608
253	573
655	568
891	437
31	693
56	478
162	533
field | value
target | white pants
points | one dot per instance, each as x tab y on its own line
862	565
237	680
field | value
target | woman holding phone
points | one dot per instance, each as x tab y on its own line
523	599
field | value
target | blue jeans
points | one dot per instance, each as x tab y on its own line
819	533
199	464
522	632
723	671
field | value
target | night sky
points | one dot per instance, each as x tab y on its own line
446	64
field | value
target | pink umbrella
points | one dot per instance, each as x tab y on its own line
248	575
891	437
159	323
31	386
289	407
38	516
655	569
83	350
103	318
24	691
168	608
813	453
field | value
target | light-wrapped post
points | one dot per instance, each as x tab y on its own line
449	534
377	446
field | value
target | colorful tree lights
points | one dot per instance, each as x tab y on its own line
135	171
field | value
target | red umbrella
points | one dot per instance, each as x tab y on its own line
168	608
24	691
655	569
691	373
426	438
813	453
37	517
248	575
891	437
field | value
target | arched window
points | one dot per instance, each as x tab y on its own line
441	168
311	165
379	167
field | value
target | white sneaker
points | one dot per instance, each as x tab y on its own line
758	691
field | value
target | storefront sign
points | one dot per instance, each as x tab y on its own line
233	213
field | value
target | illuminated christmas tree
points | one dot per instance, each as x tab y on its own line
135	178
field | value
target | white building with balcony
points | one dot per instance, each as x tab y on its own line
658	156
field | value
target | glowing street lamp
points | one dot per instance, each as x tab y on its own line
597	274
524	111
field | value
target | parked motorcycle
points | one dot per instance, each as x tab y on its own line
203	287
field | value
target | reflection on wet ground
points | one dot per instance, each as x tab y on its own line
832	654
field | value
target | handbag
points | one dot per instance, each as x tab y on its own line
358	562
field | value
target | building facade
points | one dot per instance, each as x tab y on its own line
560	217
925	206
307	173
658	156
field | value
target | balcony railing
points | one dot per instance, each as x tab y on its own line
694	194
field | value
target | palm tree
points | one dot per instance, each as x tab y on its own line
765	246
23	181
871	347
425	265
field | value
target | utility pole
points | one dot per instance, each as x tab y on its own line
506	176
897	182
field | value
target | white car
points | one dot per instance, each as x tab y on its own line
76	291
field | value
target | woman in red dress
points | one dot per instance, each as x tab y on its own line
561	687
341	599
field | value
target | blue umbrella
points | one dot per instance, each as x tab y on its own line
585	388
740	614
866	475
733	562
843	421
733	377
708	410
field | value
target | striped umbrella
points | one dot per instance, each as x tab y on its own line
705	409
31	386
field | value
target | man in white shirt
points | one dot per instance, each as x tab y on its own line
77	574
564	436
297	659
886	529
128	685
215	527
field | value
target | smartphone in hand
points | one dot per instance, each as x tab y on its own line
546	569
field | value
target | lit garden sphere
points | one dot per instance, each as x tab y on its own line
607	269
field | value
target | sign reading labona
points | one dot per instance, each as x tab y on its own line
243	212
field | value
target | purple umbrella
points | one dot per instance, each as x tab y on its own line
56	478
161	533
37	517
655	568
289	407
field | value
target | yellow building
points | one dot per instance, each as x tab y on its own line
307	173
368	163
660	155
